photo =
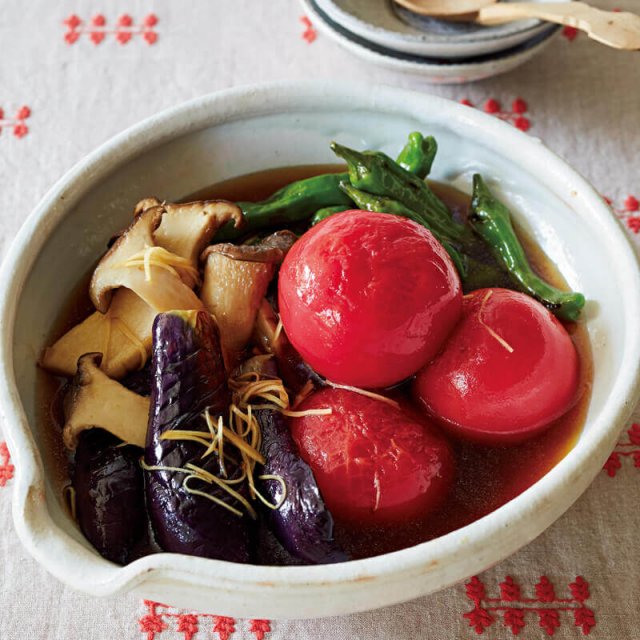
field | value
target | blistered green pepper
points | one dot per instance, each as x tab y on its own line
491	220
418	154
326	212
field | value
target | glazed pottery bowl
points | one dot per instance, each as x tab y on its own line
238	131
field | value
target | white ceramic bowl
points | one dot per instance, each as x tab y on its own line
248	129
432	70
389	25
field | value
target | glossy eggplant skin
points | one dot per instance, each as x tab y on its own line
302	524
188	376
109	494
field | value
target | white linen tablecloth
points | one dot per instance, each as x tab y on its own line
72	74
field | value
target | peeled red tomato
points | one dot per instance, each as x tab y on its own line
374	463
368	298
507	371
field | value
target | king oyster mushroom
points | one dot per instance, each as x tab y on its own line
95	400
123	333
236	278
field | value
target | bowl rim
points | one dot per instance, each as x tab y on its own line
31	517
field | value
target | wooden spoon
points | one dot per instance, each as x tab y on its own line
620	30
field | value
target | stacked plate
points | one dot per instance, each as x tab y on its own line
386	34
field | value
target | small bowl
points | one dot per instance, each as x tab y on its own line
387	24
248	129
433	70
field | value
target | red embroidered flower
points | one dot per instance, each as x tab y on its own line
634	433
98	20
224	626
151	624
259	628
73	22
509	590
612	465
522	123
585	619
309	34
514	619
188	624
633	222
151	20
570	33
6	468
475	589
579	589
479	619
492	106
632	204
519	106
549	620
545	591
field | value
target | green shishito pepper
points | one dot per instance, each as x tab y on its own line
418	154
377	174
296	202
491	220
326	212
300	200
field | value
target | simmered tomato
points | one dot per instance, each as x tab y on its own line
368	298
507	371
374	463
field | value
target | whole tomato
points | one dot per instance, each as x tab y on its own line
368	298
374	463
507	371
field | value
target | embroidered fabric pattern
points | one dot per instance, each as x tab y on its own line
517	611
160	618
123	31
16	123
309	34
6	468
627	448
517	115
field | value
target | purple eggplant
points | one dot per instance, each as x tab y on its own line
188	377
139	381
109	494
302	524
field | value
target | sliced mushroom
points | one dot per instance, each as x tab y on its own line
122	335
235	282
158	252
186	229
95	400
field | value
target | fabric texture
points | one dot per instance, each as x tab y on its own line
74	74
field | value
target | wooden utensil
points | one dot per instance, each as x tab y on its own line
620	30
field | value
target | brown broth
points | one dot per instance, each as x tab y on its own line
487	477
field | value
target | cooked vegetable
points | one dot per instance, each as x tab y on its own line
109	494
194	506
508	370
377	174
235	282
153	273
374	463
364	316
379	204
300	200
322	214
418	154
297	374
94	400
302	522
492	221
123	333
